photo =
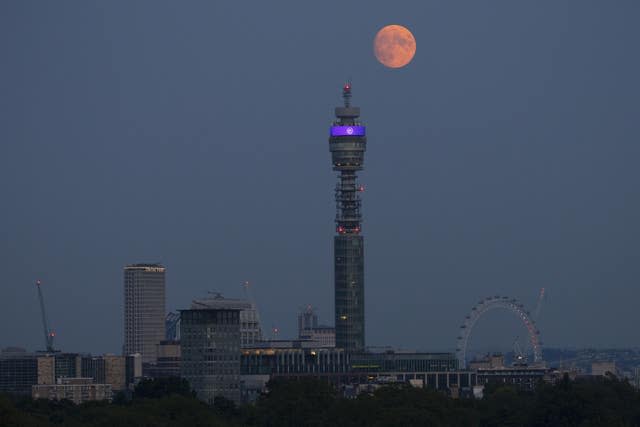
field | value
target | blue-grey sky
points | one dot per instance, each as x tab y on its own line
503	159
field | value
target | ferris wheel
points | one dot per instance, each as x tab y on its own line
498	302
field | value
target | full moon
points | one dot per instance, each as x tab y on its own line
394	46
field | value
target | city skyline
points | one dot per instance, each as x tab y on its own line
499	165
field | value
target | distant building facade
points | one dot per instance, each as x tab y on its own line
133	369
308	329
144	309
77	390
168	363
18	371
107	369
172	326
490	361
210	349
250	329
350	372
601	369
522	377
321	336
68	365
307	319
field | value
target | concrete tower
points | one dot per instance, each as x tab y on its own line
347	143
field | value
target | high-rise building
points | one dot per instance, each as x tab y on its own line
347	143
144	309
210	347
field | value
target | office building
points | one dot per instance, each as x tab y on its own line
347	143
18	372
68	365
107	369
210	347
144	309
250	329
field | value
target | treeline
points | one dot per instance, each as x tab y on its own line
309	402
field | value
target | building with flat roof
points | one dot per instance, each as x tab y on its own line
168	363
18	372
522	377
403	362
357	372
144	309
210	351
106	369
250	329
77	390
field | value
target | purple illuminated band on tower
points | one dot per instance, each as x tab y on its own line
347	130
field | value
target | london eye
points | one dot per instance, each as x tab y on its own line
498	302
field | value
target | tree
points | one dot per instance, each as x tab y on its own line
163	387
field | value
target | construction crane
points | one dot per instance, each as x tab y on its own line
49	335
536	313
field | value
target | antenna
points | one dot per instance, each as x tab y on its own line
249	295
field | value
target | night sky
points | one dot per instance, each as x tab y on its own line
503	159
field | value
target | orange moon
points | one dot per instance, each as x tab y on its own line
394	46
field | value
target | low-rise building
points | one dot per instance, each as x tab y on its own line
522	377
168	363
490	361
106	369
602	369
77	390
